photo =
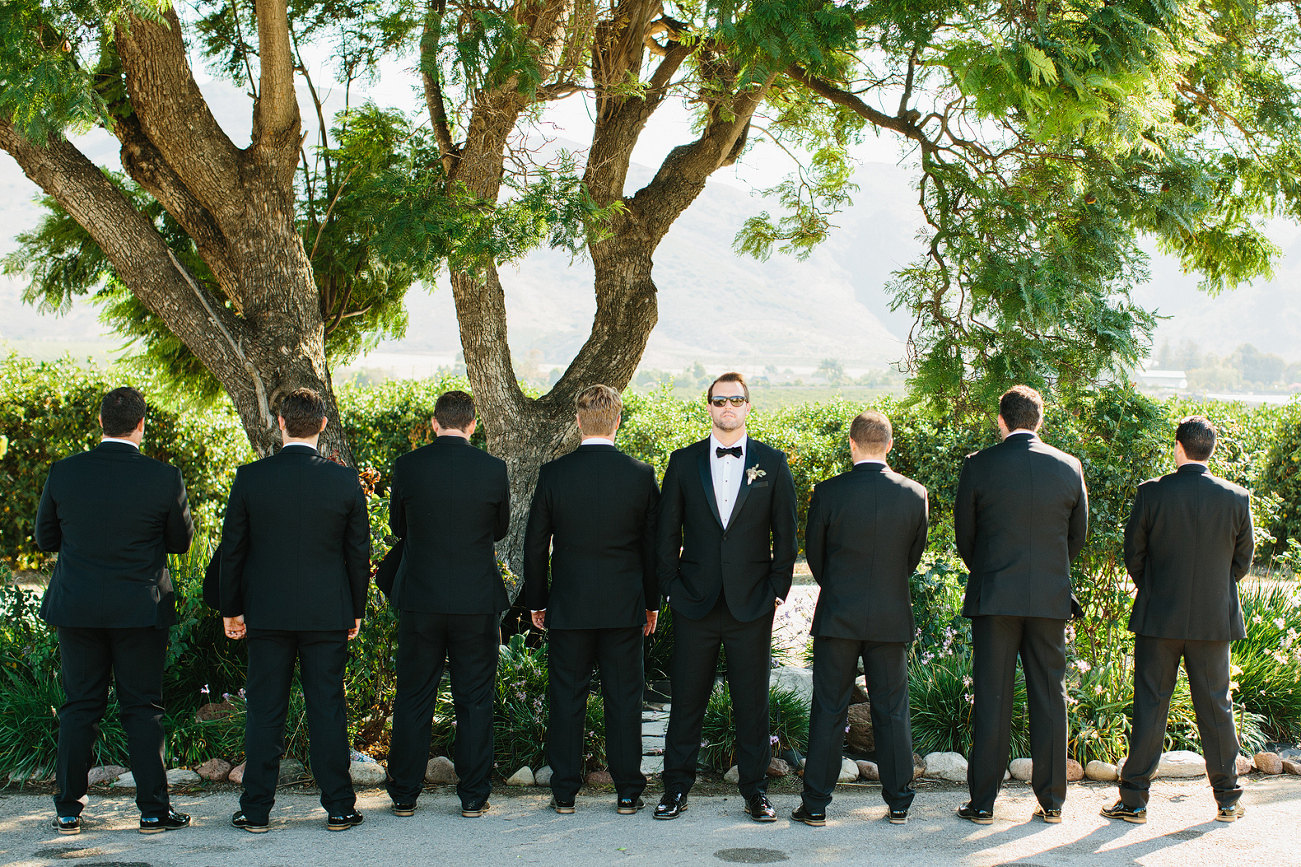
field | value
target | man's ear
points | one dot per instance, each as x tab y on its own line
325	421
469	428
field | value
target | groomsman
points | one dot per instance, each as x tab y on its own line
726	554
865	535
113	515
448	503
295	562
592	526
1020	518
1188	542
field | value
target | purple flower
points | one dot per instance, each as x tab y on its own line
772	739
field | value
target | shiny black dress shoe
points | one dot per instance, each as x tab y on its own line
344	821
897	817
760	808
672	805
971	814
159	824
808	817
562	807
1052	817
629	806
239	820
403	810
475	810
1133	815
67	824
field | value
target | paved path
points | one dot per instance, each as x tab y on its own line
521	830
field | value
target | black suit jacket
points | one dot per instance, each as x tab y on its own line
113	515
295	545
751	562
449	502
592	526
1021	516
865	534
1187	543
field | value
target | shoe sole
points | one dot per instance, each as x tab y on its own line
161	830
626	811
812	823
474	814
341	827
667	816
252	829
1228	818
403	813
977	820
762	818
903	821
1133	820
564	811
1049	820
68	831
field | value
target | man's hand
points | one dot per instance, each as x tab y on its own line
356	627
539	618
651	618
234	626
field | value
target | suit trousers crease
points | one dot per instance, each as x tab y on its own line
885	667
749	664
1156	669
571	656
428	643
134	659
322	657
1041	644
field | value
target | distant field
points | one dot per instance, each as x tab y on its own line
101	352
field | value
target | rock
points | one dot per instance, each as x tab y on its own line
543	776
215	710
126	781
182	777
292	772
215	770
733	775
848	771
946	766
919	767
869	771
778	768
368	774
1268	763
860	738
599	778
860	691
1181	764
236	774
1291	767
1243	765
522	777
1103	772
1021	769
651	766
798	680
441	772
1074	771
106	774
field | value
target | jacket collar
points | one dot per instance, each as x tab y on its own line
597	447
118	448
1193	467
869	467
450	440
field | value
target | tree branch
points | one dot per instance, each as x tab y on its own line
906	123
276	120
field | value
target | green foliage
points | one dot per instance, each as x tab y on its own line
1280	474
1268	660
788	722
940	695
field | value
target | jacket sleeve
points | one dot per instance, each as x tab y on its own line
1244	548
668	530
397	510
356	551
1136	530
503	507
815	536
919	540
785	541
649	582
1079	527
537	547
48	531
964	515
179	531
234	551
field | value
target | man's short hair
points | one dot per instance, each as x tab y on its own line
1197	435
730	376
303	409
120	411
1021	407
454	410
598	410
871	431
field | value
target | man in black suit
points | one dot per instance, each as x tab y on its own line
113	515
592	527
449	502
295	563
1187	544
1020	518
727	543
865	535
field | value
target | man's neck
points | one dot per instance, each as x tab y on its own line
729	438
302	441
129	440
453	432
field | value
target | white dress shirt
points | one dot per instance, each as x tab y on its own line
871	461
119	440
304	445
597	441
727	473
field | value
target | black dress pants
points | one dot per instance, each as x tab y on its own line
134	658
1041	643
426	643
322	657
885	667
571	654
1156	667
749	667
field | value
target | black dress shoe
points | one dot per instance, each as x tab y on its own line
239	820
67	824
475	810
760	808
403	809
671	805
628	806
971	814
1133	815
808	817
159	824
1230	814
897	817
564	808
1052	817
344	821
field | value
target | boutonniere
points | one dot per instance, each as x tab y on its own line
753	473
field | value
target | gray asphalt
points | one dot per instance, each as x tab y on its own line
521	830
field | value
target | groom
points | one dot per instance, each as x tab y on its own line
726	553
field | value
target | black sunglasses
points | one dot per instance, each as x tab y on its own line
734	400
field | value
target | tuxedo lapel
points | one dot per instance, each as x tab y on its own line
751	460
707	482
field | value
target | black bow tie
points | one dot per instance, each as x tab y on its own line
734	451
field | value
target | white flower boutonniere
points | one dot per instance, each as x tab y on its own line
753	473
